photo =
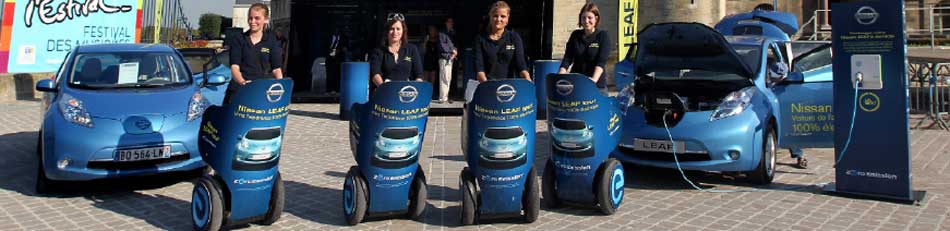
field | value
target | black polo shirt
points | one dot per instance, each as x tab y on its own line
407	68
257	61
585	53
501	59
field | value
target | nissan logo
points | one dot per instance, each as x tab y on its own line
505	93
564	87
275	92
866	15
408	94
143	124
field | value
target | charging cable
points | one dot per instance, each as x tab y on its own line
854	112
683	173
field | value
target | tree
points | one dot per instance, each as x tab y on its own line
210	25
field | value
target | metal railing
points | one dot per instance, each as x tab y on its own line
172	23
929	88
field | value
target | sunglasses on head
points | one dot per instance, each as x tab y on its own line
395	16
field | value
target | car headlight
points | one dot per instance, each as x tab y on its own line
483	143
73	111
626	97
522	140
197	106
733	104
415	140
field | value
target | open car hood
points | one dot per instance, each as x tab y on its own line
677	46
783	21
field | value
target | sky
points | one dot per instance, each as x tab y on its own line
194	8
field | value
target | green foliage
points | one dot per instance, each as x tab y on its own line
209	25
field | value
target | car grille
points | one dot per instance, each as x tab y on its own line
115	165
662	156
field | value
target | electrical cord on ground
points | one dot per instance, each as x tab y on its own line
683	173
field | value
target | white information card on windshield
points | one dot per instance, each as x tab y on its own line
128	73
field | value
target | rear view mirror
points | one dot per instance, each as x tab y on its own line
46	85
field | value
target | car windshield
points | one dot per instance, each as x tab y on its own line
196	61
400	133
128	70
569	124
503	133
263	134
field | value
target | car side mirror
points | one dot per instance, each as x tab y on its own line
794	77
215	80
46	85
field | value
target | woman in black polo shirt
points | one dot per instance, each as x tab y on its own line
499	54
396	59
257	54
588	48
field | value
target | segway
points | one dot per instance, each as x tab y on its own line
241	142
500	180
386	137
585	128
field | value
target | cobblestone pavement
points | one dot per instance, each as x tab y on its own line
316	156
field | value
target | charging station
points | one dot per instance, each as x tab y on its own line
872	143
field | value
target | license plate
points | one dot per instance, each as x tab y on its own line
658	146
139	154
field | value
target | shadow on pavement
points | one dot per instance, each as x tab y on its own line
316	114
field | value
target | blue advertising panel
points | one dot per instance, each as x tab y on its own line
870	89
354	87
37	35
541	70
585	128
500	142
387	134
241	141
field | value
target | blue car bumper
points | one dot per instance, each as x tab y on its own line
91	151
708	143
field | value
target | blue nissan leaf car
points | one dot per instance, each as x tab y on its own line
259	148
722	99
572	137
397	146
118	110
503	147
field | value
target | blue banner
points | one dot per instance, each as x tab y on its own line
542	68
242	142
37	35
585	128
354	86
499	146
870	55
386	134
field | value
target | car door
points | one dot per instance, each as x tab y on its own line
805	99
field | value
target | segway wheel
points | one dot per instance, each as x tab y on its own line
531	199
549	186
354	196
610	186
206	205
418	196
276	206
468	191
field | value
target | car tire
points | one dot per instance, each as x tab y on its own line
206	205
467	212
276	206
43	184
765	171
531	199
549	186
354	196
610	186
417	196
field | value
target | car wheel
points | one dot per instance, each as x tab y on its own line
43	184
276	206
467	188
418	196
531	199
549	186
206	205
610	186
765	172
354	196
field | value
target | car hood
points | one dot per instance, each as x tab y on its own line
784	21
677	46
122	103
